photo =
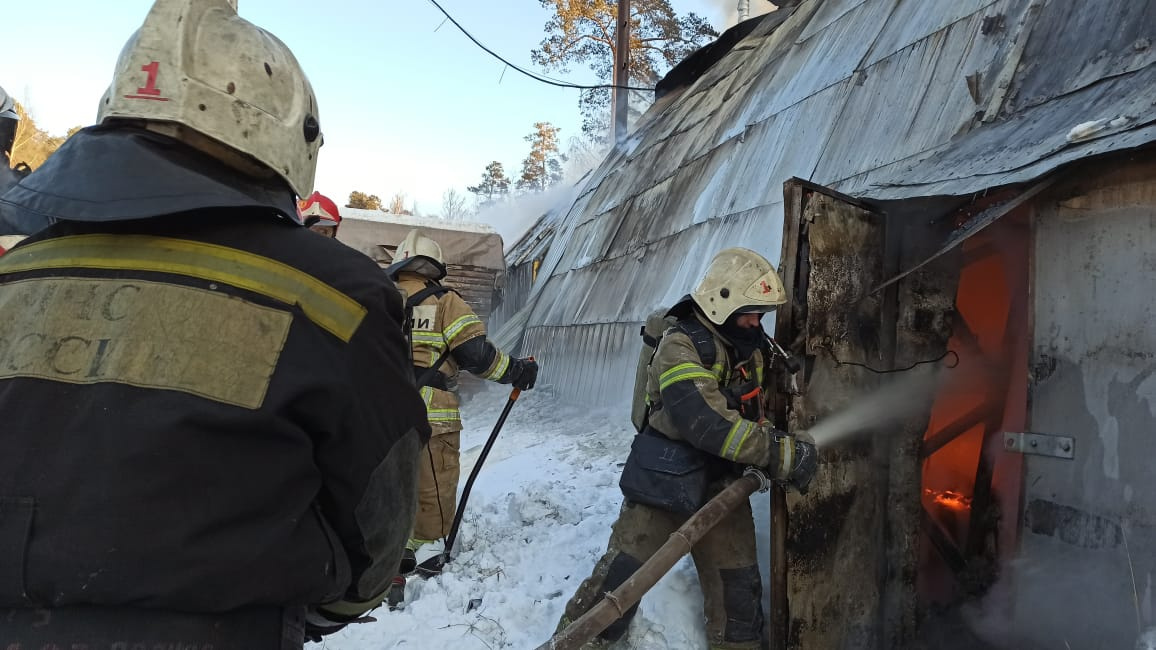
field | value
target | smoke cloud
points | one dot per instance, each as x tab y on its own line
512	217
728	10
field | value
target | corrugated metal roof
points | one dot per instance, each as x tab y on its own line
881	99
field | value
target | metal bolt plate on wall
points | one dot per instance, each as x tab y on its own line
1040	444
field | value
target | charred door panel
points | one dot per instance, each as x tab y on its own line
833	258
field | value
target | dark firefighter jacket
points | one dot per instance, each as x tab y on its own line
691	401
201	411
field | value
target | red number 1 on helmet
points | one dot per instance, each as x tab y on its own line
150	87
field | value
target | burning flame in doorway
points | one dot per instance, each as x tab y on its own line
950	499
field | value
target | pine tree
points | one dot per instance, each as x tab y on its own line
543	166
494	183
583	31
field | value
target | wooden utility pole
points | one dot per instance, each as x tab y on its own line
619	110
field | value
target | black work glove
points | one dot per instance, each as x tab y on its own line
794	459
804	464
523	373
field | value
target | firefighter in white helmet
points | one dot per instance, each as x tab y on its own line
9	121
707	385
447	336
210	422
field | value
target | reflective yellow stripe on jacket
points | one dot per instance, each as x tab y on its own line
435	415
330	309
455	328
684	372
429	339
498	367
740	431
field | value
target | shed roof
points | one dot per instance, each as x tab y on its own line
371	231
881	99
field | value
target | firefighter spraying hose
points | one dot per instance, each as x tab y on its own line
878	408
700	409
699	405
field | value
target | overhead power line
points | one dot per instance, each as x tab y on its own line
528	73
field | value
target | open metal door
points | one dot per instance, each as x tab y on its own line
827	544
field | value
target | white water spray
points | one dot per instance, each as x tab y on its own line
901	395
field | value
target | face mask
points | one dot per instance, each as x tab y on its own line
745	339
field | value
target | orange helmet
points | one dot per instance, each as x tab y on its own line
319	210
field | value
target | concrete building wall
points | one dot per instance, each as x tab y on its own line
1085	567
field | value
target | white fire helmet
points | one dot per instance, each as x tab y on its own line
738	280
418	254
9	118
198	64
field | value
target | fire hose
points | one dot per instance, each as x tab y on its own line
435	564
614	604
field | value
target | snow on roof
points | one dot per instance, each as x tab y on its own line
376	233
411	221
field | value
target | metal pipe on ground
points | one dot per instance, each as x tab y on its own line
614	604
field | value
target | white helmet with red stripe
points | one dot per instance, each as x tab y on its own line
197	70
738	280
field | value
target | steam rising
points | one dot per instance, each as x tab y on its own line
728	10
901	395
513	217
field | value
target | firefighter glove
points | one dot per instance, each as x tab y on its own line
804	465
523	373
793	460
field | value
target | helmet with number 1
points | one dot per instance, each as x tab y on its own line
196	66
418	254
738	280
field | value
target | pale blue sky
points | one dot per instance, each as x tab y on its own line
406	106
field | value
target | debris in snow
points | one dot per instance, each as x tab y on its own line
1085	130
1119	121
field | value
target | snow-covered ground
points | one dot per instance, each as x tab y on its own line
537	520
